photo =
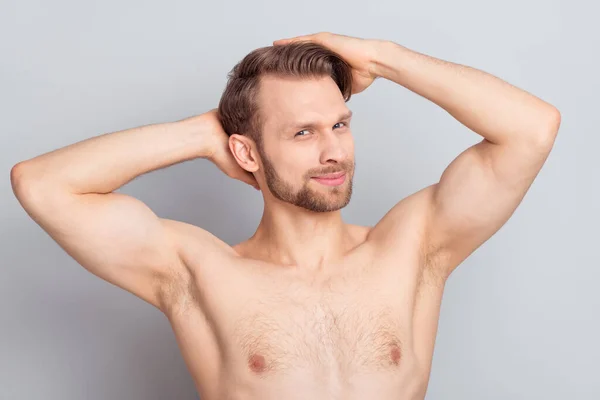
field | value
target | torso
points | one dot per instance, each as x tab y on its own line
251	330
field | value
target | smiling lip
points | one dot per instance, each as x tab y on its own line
331	179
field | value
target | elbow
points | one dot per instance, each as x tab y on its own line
22	180
553	125
548	129
32	195
554	122
16	177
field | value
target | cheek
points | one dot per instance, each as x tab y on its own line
291	169
348	143
351	151
295	164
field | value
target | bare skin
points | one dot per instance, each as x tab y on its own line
309	306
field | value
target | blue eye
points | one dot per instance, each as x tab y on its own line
345	125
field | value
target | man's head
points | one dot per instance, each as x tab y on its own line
284	108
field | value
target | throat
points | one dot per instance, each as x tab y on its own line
288	241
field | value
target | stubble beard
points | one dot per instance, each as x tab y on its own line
307	198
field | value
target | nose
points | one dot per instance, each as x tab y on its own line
333	148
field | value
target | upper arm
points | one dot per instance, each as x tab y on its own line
114	236
477	193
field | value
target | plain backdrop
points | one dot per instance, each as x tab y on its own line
519	317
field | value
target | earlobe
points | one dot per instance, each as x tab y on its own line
242	149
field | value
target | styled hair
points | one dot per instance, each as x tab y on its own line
238	108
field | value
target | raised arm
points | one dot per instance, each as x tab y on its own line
69	193
482	187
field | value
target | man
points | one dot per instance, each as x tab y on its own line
309	307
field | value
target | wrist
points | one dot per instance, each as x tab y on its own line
381	64
199	134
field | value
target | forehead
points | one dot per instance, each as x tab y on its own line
285	100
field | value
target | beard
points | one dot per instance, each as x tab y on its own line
336	198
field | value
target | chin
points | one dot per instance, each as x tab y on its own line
333	199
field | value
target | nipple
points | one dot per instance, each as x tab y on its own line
395	354
257	363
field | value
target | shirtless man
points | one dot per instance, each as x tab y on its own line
309	307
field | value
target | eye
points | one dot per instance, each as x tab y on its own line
299	133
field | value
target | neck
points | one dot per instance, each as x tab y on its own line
290	235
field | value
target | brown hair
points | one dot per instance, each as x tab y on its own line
238	108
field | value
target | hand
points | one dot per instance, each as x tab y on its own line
361	54
219	153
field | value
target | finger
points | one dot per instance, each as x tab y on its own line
252	183
255	186
281	42
248	178
304	38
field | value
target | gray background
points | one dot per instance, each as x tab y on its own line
519	317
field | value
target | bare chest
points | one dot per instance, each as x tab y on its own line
352	333
357	324
323	337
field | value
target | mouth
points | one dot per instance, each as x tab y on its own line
333	179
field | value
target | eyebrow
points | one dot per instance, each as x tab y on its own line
311	124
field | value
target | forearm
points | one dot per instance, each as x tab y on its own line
104	163
482	102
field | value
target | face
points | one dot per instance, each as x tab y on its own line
306	135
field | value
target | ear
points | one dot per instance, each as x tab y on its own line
243	150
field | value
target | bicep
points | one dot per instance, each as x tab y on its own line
477	193
114	236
